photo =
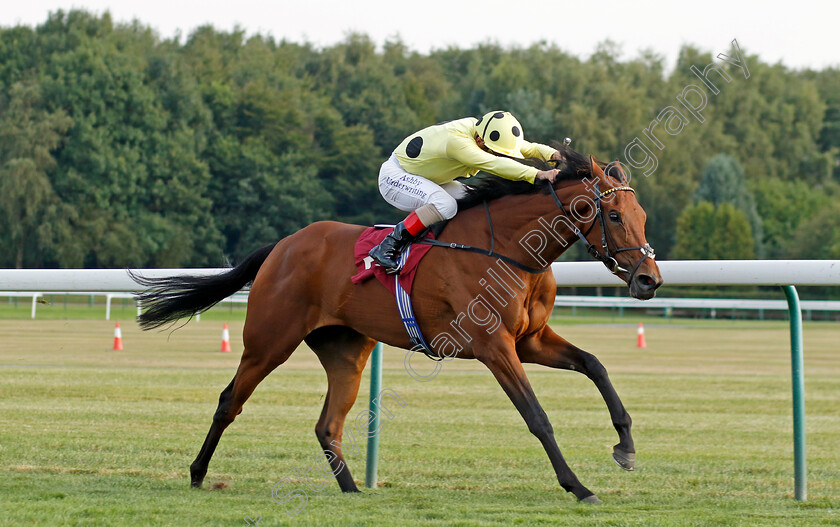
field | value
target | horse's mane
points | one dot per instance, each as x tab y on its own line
487	187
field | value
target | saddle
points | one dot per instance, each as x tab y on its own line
400	283
410	258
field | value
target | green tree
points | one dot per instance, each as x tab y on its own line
129	169
695	227
723	182
706	232
260	197
733	238
816	238
28	135
828	85
784	205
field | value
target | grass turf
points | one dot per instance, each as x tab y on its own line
89	436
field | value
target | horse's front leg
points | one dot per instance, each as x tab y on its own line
500	358
550	349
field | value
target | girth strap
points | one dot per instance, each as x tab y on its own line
412	328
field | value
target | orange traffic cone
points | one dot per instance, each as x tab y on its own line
640	337
118	338
225	340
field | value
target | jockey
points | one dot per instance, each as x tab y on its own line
419	177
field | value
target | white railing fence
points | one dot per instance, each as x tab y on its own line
667	305
39	297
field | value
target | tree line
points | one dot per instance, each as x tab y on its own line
120	148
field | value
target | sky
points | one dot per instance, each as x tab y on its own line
799	34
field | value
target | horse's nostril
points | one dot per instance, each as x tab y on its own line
646	281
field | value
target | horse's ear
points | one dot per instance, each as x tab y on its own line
616	172
595	168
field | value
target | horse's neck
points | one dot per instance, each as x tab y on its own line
526	227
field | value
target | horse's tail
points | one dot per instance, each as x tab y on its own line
169	299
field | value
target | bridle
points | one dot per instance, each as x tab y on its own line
608	256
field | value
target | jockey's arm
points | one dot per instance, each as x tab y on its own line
465	151
540	151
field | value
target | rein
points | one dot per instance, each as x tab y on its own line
607	258
486	252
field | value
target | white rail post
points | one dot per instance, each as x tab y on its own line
34	303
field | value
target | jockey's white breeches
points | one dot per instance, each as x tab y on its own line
409	192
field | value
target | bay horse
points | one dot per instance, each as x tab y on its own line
302	291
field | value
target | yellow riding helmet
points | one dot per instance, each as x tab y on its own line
501	133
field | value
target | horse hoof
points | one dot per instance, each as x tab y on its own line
625	460
593	499
196	480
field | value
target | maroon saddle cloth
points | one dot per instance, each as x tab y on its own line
367	268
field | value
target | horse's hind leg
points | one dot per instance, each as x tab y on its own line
343	352
258	360
550	349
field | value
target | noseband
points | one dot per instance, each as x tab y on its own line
608	256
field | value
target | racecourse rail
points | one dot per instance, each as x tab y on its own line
667	305
784	273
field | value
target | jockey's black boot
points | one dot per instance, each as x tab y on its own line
387	253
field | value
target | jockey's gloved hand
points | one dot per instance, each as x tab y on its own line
548	175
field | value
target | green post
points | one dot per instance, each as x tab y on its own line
798	382
373	423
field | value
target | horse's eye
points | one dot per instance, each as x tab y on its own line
615	216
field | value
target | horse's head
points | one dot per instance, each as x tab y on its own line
616	231
600	209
